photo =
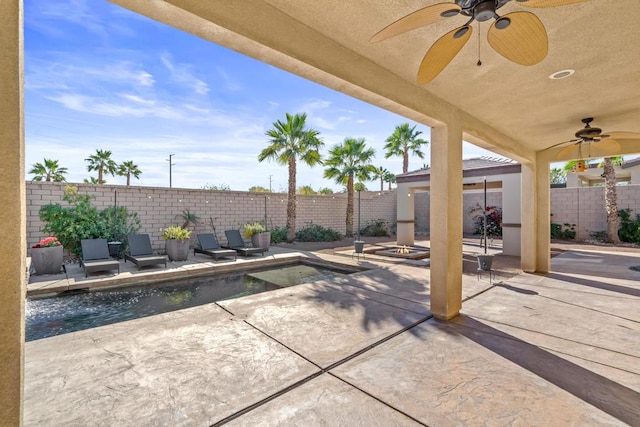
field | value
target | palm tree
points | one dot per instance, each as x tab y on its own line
347	161
610	195
558	176
379	173
289	141
306	190
101	162
49	171
390	178
403	140
127	169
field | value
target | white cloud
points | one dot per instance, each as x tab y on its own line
181	73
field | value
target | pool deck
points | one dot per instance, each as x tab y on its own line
559	349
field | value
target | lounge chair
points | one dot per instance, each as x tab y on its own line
95	256
209	246
140	252
235	242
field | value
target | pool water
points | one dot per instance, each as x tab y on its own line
46	317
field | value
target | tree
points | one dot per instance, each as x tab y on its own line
610	195
259	189
325	190
101	162
347	161
213	187
359	186
289	141
306	190
93	180
127	169
558	176
49	171
404	140
379	173
390	178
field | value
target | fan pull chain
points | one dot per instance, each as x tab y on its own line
479	63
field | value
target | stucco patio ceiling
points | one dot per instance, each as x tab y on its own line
512	109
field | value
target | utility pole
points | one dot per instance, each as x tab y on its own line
170	164
270	176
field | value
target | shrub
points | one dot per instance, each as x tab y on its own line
316	233
278	234
252	228
629	230
494	220
175	232
600	236
376	227
564	231
82	220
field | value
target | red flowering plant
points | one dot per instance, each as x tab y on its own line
48	242
494	220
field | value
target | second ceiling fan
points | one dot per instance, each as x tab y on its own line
518	36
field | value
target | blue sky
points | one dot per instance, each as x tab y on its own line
101	77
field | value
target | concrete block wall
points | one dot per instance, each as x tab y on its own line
160	207
584	207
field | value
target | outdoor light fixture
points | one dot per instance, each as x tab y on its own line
563	74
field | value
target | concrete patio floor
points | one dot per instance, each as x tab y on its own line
561	349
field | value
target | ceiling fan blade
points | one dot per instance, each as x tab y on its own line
571	152
622	135
417	19
548	3
561	143
442	52
523	41
606	148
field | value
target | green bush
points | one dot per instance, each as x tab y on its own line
252	228
629	230
564	231
175	232
317	233
376	227
81	220
278	234
494	220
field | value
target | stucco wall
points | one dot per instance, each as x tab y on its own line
158	207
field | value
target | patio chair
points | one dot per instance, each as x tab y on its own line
95	256
140	252
235	242
209	246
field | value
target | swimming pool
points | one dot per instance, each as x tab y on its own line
46	317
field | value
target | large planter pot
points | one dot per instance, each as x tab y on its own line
485	261
47	260
261	240
177	250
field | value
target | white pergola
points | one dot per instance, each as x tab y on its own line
513	110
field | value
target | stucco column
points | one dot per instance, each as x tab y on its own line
543	214
528	230
511	215
12	214
445	199
406	215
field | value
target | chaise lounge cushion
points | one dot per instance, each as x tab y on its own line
141	253
209	246
235	242
95	256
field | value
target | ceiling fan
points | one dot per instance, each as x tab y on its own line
518	36
596	144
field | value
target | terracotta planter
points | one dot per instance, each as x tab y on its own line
177	250
261	240
47	260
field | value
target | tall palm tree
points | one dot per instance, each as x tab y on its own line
127	169
379	173
101	162
347	161
289	141
390	178
610	194
404	140
48	171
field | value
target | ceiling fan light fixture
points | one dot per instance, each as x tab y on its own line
484	11
563	74
503	23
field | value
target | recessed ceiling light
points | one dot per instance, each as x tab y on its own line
563	74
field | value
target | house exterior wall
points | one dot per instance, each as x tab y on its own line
160	207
